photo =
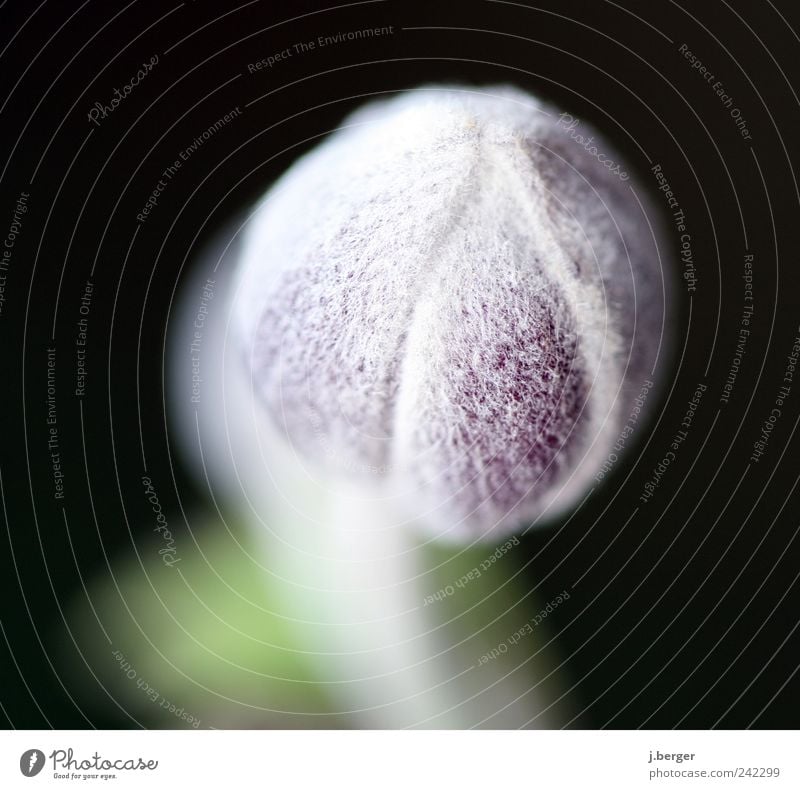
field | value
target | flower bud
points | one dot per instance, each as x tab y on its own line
454	300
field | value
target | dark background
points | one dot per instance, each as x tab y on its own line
696	592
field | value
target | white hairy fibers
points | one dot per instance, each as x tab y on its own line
454	300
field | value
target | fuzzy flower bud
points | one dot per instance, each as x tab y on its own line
455	299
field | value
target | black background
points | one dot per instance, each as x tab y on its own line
697	592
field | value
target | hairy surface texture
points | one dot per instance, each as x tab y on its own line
453	300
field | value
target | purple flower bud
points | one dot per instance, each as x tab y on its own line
454	298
